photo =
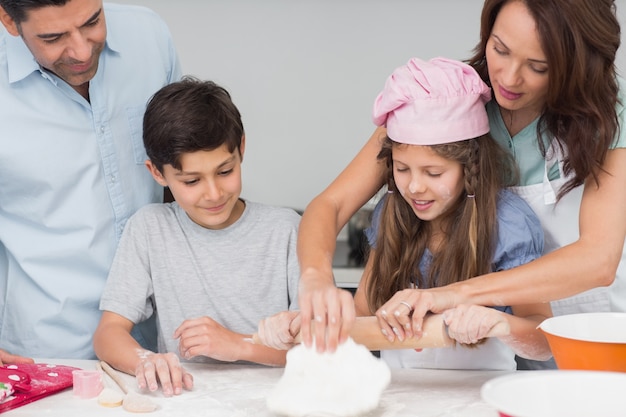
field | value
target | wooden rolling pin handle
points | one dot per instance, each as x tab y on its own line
366	331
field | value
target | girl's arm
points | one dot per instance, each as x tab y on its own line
319	298
471	323
589	262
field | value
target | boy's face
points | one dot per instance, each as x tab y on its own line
207	187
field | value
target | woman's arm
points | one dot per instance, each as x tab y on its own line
589	262
319	298
360	297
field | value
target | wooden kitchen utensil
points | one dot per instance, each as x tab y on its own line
366	331
133	401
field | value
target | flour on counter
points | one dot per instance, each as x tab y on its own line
348	382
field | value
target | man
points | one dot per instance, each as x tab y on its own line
73	89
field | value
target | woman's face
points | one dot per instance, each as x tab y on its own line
517	65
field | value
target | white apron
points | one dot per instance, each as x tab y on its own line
560	225
491	355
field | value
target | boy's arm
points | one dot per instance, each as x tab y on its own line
114	344
204	336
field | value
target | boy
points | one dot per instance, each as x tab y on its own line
210	264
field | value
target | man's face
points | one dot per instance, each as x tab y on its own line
66	40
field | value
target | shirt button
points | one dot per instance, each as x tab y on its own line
101	129
113	178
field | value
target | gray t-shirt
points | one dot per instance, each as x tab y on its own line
237	275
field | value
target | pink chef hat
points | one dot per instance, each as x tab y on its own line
433	102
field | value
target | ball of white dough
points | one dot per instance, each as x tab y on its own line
347	382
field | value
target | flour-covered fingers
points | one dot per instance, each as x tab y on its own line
318	331
164	375
145	374
340	317
164	370
275	331
470	323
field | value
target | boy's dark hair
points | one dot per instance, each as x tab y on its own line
189	116
18	9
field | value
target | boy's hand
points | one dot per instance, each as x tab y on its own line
163	368
204	336
279	331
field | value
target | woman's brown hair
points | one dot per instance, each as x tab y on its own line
580	39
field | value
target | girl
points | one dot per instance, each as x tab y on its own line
558	109
446	217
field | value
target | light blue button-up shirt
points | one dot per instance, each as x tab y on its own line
71	173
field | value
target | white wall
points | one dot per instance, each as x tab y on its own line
304	73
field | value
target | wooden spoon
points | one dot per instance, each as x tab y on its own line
133	401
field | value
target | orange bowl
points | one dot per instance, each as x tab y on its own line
588	341
557	393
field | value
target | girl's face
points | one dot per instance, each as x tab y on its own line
518	68
430	183
207	187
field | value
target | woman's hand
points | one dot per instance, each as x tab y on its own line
403	315
331	308
164	369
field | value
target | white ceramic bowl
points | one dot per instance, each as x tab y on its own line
557	394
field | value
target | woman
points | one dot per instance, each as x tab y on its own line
551	64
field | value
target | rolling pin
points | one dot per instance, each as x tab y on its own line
366	331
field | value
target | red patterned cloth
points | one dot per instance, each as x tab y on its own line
33	381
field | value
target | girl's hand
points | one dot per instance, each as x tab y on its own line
470	323
279	330
163	368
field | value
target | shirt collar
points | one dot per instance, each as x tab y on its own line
21	62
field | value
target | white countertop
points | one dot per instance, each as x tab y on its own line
241	390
